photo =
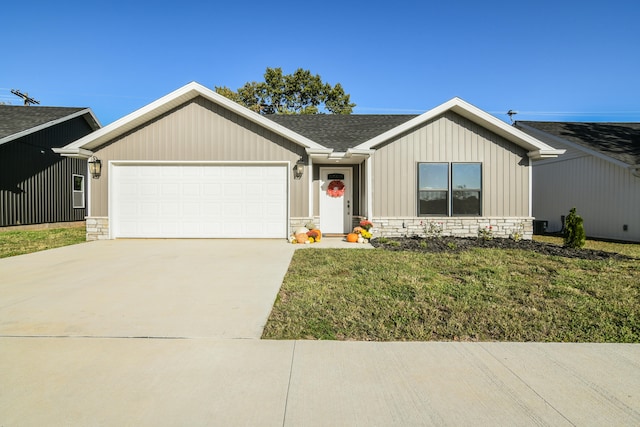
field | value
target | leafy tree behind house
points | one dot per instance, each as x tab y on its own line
297	93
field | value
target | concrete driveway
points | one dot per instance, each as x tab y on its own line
143	288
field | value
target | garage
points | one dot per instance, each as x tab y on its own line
187	200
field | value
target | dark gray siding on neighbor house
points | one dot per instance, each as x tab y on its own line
36	185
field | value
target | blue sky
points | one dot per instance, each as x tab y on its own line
548	60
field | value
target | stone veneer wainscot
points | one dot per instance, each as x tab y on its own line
97	228
457	227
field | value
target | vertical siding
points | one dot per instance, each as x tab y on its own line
607	196
450	138
35	183
200	130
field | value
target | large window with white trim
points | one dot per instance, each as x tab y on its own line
78	191
449	189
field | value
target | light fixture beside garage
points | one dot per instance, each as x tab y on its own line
298	169
95	167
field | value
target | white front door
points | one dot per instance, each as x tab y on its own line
336	200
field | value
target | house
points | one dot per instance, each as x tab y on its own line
37	185
599	175
195	164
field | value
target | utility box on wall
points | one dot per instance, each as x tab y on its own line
540	227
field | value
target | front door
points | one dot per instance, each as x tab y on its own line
336	200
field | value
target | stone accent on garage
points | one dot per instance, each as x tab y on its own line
297	222
457	227
97	228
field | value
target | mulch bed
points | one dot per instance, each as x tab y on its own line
457	244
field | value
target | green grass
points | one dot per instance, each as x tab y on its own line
23	242
629	249
478	295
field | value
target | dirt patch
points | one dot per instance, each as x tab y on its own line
457	244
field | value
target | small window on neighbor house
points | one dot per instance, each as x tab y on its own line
78	191
444	191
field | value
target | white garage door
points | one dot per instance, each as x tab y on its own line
192	201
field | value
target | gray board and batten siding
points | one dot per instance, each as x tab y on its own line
451	138
200	131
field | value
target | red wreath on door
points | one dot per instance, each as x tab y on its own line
335	188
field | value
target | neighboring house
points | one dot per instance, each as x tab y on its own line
599	175
195	164
37	185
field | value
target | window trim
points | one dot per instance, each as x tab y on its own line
74	191
450	190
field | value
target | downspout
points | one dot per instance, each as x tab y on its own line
311	195
369	189
530	188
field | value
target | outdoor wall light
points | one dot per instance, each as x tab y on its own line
95	167
298	169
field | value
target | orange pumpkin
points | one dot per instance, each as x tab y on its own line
352	237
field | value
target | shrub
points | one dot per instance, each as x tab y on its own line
574	236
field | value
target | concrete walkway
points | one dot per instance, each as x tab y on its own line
205	382
73	353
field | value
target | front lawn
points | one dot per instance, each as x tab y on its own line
479	294
24	242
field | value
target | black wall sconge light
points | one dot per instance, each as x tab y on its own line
95	167
298	169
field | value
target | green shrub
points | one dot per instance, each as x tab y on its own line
574	236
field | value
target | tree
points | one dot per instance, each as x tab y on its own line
297	93
574	235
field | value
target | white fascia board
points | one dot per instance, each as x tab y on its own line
544	154
95	125
174	99
359	152
79	153
319	151
474	114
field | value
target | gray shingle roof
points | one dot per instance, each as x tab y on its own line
620	141
338	131
15	118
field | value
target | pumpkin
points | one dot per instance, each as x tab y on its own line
352	237
302	237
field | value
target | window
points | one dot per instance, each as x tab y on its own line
433	188
78	191
449	189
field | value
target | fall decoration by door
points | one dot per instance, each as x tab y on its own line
335	188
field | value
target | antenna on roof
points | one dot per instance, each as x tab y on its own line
511	113
27	99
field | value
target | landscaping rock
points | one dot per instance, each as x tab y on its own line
457	244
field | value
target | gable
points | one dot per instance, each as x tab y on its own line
451	138
199	130
149	113
20	121
536	149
